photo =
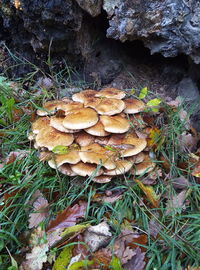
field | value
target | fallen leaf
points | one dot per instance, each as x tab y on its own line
40	208
154	227
63	259
143	93
180	183
149	192
102	259
188	142
137	262
18	154
68	217
97	236
39	247
175	204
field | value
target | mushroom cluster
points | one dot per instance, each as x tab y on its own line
94	134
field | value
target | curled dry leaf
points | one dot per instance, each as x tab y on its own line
18	154
68	217
176	202
97	236
40	208
137	261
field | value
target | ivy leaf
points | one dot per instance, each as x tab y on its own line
154	102
68	217
60	149
143	93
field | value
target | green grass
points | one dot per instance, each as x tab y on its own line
179	241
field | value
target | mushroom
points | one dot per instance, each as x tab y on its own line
83	138
102	179
66	169
97	130
111	93
84	95
86	169
57	123
122	166
144	167
50	137
39	124
72	157
94	153
50	107
80	118
115	124
133	106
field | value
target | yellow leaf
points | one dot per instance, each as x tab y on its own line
132	91
149	192
63	259
143	93
154	102
74	229
60	149
80	265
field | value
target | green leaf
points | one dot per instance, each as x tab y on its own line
60	149
115	264
63	259
143	93
81	264
74	229
154	102
107	147
132	91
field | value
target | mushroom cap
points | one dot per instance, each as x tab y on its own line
144	167
133	105
111	93
102	179
106	106
137	158
72	157
115	124
84	95
102	140
94	153
51	137
128	139
80	118
57	123
66	169
122	166
39	124
50	107
83	138
86	169
97	130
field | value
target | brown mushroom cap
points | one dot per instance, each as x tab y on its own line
111	93
137	158
102	140
122	166
51	137
72	157
83	138
133	105
86	169
137	145
97	154
84	95
50	107
39	124
66	169
144	167
80	118
115	124
102	179
97	130
57	123
106	106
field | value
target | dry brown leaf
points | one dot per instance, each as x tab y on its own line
18	154
180	183
97	236
68	217
102	259
137	262
40	208
188	142
176	202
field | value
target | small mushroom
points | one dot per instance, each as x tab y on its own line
80	118
72	157
102	179
84	95
50	107
111	93
97	154
66	169
115	124
133	106
51	137
97	130
122	166
86	169
144	167
57	123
